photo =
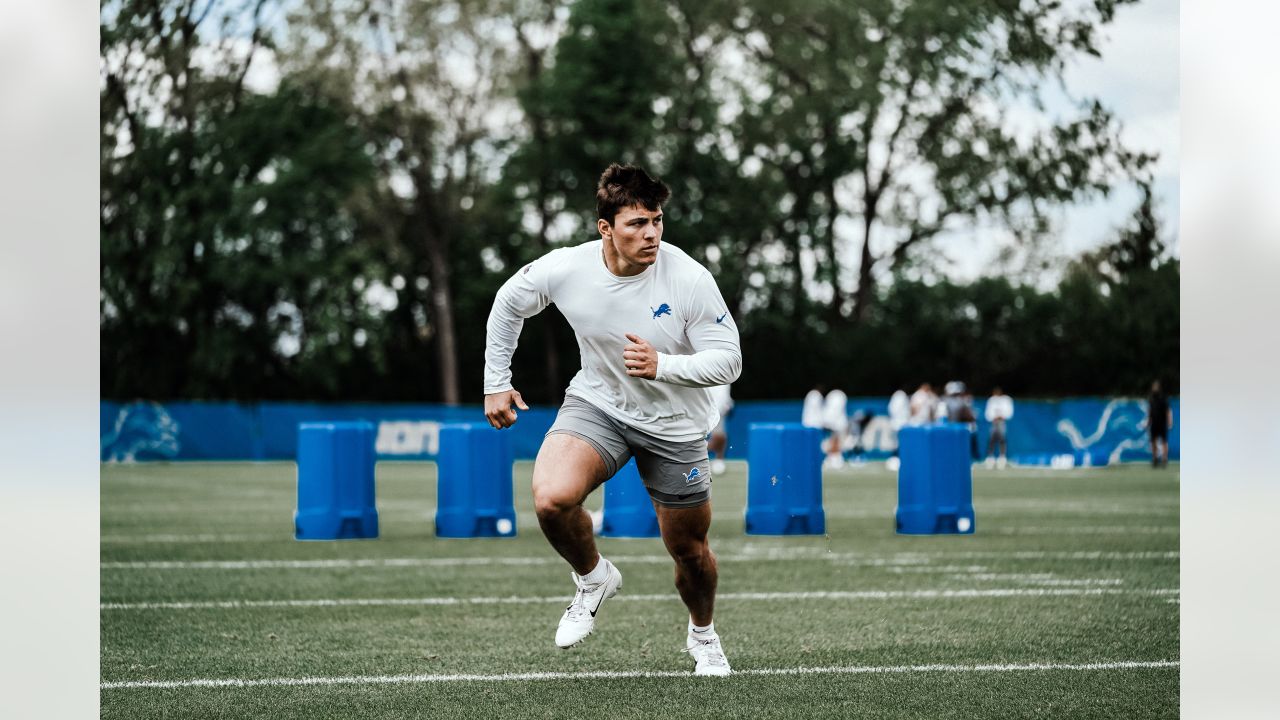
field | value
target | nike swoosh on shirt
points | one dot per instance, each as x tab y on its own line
722	317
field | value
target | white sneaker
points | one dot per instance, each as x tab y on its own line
708	654
717	467
579	618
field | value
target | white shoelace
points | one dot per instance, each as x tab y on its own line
709	651
578	606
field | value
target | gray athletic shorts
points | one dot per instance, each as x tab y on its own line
676	474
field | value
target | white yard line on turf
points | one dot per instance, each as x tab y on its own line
938	569
744	596
809	554
612	675
183	539
1084	530
1039	579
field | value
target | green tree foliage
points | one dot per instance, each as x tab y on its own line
228	250
339	233
429	84
1120	306
893	114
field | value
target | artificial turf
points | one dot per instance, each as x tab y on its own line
1067	568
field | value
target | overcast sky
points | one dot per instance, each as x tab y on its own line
1137	78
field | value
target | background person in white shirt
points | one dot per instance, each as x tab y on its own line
924	405
999	411
835	419
899	415
654	335
899	410
811	413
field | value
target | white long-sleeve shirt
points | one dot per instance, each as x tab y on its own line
811	413
674	304
999	407
899	410
835	411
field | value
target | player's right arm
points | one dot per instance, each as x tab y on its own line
524	295
498	410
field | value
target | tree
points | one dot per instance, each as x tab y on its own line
1122	307
585	103
227	242
894	113
321	237
428	82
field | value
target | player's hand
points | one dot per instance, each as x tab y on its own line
498	410
639	357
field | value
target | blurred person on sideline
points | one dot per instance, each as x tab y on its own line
655	334
899	415
835	420
899	409
924	405
958	405
858	423
999	412
811	413
719	441
1159	420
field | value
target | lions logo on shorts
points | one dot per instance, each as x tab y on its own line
691	477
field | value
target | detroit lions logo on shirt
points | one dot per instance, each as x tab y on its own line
691	477
663	309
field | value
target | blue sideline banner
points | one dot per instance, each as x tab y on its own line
1092	431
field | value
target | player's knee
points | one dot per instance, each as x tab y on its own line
550	502
691	553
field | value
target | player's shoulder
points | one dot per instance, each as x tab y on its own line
562	258
680	263
576	253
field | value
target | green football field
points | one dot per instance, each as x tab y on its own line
1064	603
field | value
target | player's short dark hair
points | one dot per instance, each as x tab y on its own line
622	186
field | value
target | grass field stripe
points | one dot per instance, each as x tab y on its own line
613	675
1083	530
177	539
817	554
517	600
180	539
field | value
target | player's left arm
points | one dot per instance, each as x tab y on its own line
717	356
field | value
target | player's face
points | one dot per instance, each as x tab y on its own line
636	233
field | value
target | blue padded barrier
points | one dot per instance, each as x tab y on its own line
335	482
628	511
784	480
473	483
935	481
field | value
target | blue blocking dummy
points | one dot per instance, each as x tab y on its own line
628	511
335	482
473	485
935	481
784	480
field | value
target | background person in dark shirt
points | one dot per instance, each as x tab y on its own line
1159	420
